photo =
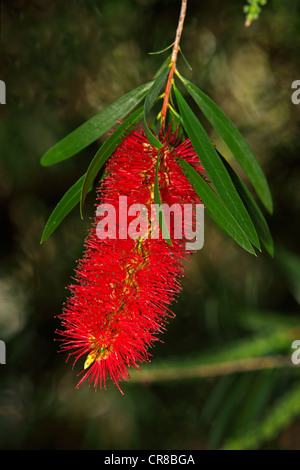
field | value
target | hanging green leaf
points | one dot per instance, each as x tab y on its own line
185	59
234	141
163	66
216	209
105	151
254	211
95	127
216	170
62	209
149	102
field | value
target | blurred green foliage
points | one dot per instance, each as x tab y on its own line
253	10
223	376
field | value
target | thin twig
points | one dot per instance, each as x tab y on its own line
210	370
173	64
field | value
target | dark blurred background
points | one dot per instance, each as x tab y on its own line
223	376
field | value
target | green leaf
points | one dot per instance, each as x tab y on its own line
105	151
254	211
95	127
185	59
162	50
62	209
149	102
214	206
216	170
234	141
158	208
164	65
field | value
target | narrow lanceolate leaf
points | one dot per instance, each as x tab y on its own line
162	50
185	59
216	170
256	215
95	127
215	208
164	65
158	207
62	209
149	102
105	151
234	141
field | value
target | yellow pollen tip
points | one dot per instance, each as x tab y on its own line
90	359
98	353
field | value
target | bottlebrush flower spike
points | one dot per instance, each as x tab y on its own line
124	286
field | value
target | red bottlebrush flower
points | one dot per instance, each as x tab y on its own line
124	286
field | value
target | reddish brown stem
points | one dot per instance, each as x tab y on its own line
173	65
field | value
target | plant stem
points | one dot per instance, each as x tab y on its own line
211	370
173	64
